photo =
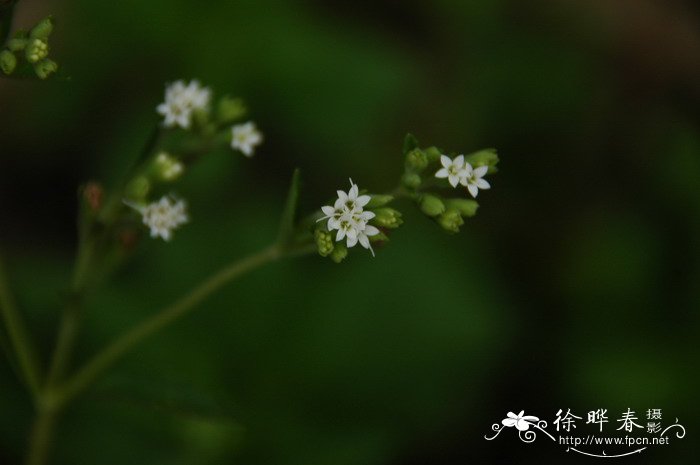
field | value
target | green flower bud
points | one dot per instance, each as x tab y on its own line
387	218
450	221
340	251
17	44
8	61
409	143
486	157
138	189
230	109
43	29
324	242
465	207
167	168
416	160
379	201
36	51
433	154
381	237
45	68
411	180
431	205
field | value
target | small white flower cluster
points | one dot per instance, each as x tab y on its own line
181	101
349	218
245	137
163	216
458	171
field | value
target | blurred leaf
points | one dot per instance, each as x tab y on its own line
290	209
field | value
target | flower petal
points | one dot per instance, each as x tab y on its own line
481	171
454	180
370	230
482	184
352	240
508	422
473	190
446	161
442	173
459	161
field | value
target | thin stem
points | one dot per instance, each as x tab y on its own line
70	321
41	436
19	338
125	343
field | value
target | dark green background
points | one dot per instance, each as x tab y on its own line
577	285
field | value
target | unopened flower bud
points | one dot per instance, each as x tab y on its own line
387	218
138	189
8	61
43	29
36	51
450	221
17	44
411	180
433	154
416	160
93	195
340	251
486	157
324	242
379	201
45	68
128	239
431	205
465	207
230	109
167	168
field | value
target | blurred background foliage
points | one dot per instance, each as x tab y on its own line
576	286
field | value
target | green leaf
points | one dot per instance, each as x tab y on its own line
409	143
290	208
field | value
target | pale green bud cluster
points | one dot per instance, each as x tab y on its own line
28	52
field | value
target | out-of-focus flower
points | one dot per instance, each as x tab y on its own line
245	138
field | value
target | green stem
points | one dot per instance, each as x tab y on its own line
17	333
70	321
41	436
125	343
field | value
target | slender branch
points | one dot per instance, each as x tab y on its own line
70	322
125	343
19	338
41	437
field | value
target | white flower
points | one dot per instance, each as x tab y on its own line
520	421
347	215
472	179
363	237
168	167
181	100
245	137
164	216
453	170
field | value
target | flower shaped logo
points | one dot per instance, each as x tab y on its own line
520	421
